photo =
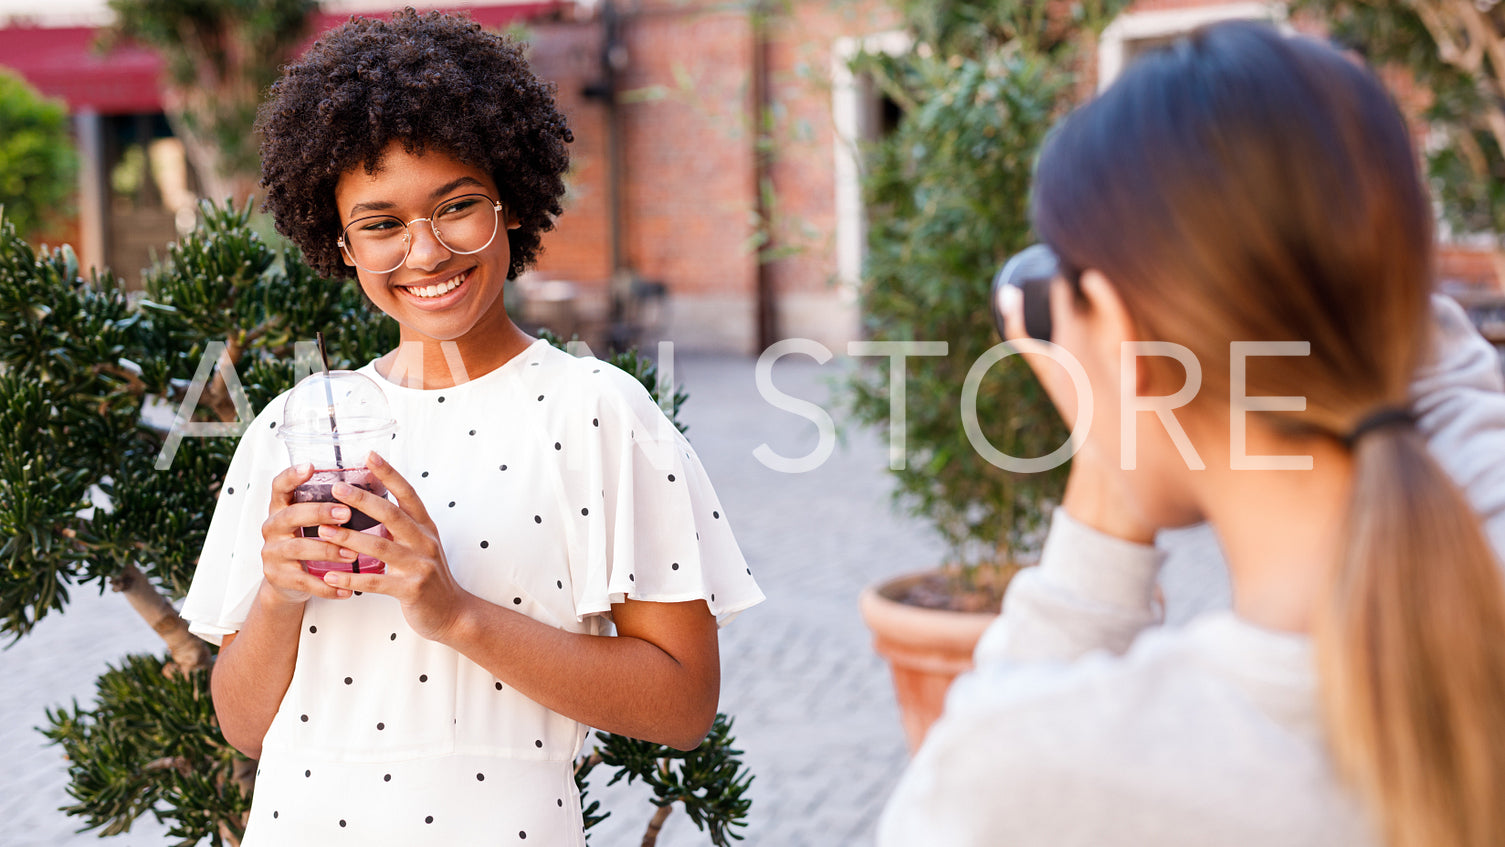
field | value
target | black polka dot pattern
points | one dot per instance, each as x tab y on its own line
303	718
463	466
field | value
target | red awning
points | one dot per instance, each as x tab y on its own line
62	61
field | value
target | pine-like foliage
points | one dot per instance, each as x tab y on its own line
150	745
710	781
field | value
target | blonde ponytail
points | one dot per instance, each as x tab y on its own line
1411	654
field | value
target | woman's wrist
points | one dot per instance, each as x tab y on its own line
459	632
1091	499
274	600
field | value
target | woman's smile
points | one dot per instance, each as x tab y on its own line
438	292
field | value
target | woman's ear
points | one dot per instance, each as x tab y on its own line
1113	325
1109	322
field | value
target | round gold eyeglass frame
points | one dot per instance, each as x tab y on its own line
496	207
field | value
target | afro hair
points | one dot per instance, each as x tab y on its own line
431	81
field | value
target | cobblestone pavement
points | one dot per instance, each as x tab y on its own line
812	705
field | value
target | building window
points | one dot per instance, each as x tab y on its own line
862	114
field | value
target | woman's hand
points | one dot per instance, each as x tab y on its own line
1097	493
283	545
417	574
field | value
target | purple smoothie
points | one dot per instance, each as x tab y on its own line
320	489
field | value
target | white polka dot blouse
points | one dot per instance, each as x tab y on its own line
558	488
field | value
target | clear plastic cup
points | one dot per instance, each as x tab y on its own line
332	421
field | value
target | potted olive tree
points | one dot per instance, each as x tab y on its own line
947	200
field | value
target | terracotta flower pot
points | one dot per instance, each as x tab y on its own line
925	648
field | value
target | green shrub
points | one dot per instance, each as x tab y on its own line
947	202
37	161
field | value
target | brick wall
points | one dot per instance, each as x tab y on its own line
689	197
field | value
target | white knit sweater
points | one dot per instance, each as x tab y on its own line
1088	723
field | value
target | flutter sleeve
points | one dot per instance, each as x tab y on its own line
229	568
651	526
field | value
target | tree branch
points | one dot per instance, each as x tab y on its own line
216	394
133	383
188	652
656	823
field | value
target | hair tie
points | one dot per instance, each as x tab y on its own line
1378	419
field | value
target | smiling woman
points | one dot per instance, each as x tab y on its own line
539	500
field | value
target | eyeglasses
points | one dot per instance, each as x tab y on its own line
1031	270
380	243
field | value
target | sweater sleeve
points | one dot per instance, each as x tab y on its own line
1459	400
1090	591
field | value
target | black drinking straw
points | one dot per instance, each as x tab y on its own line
334	431
339	461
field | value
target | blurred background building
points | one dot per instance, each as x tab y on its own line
714	196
